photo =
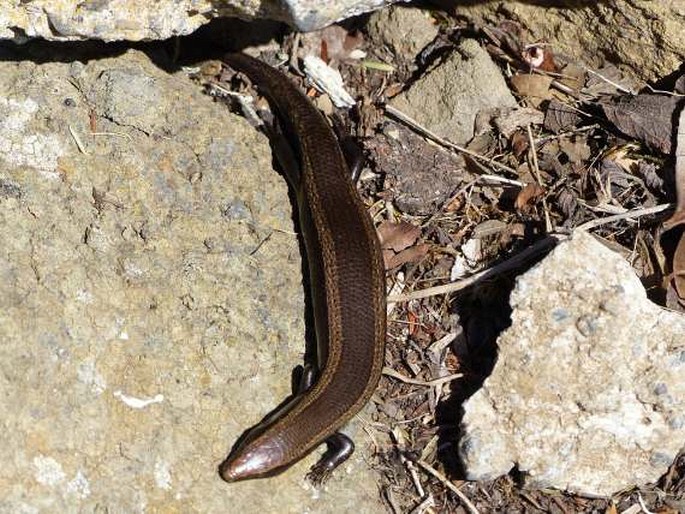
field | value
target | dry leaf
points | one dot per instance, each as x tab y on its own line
528	196
573	76
601	82
519	143
535	88
413	254
398	236
455	204
396	243
575	148
647	118
509	122
560	117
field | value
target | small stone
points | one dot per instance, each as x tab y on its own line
449	96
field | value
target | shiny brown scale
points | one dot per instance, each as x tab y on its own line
348	295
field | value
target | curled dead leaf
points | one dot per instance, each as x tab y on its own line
413	255
519	143
398	244
528	196
398	236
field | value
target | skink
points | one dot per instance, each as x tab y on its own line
347	288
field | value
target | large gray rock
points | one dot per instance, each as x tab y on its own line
151	305
135	20
588	393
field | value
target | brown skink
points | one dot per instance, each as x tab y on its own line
347	280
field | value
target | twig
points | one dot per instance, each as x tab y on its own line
77	140
609	81
538	177
112	134
415	125
497	269
642	505
568	133
497	178
422	507
662	92
447	483
428	383
246	104
635	213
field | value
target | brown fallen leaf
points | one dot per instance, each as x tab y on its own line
576	149
398	236
519	143
560	117
413	255
534	88
528	196
397	240
647	118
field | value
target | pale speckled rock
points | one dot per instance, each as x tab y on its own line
136	20
404	30
643	36
151	306
588	393
448	97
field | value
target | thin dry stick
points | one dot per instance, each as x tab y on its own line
611	82
404	118
502	180
512	263
538	177
432	471
635	213
427	503
398	439
428	383
77	140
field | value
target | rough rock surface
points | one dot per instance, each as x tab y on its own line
404	30
448	97
588	393
644	36
150	297
136	20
